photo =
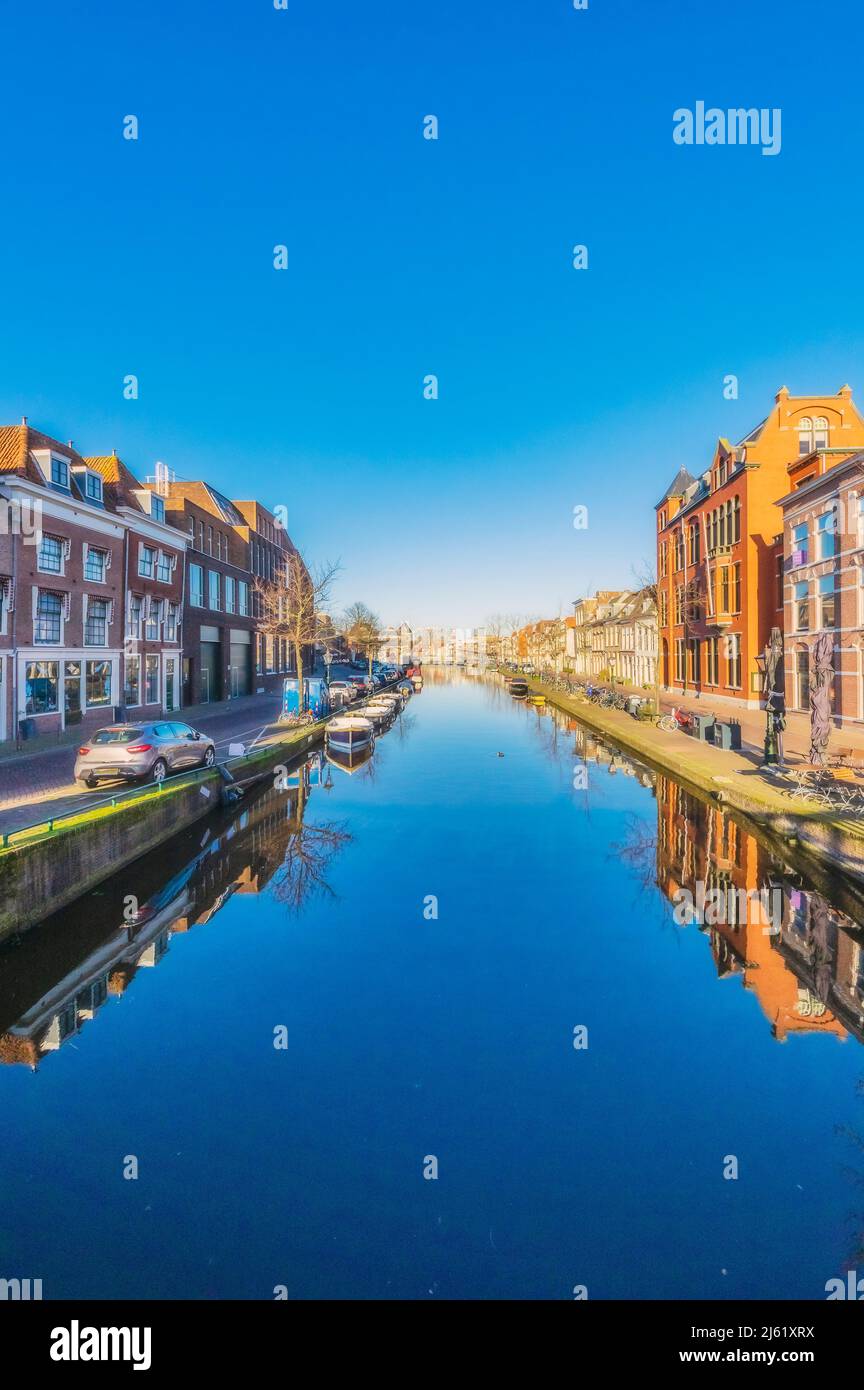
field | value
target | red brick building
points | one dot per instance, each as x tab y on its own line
61	614
153	582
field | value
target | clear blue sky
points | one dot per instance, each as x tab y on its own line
406	257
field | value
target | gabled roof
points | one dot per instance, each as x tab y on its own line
118	483
17	443
678	485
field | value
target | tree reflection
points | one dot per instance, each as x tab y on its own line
309	851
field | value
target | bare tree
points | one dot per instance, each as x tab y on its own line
292	607
303	872
361	629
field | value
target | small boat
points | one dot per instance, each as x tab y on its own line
518	689
349	733
381	715
537	699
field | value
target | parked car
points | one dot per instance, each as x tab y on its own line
142	750
342	692
361	684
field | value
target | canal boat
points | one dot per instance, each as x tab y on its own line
381	714
518	688
348	733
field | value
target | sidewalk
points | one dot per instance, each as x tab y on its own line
41	781
796	737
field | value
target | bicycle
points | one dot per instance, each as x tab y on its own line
679	721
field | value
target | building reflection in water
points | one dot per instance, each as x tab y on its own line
802	958
57	977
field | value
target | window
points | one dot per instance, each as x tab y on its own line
95	565
230	592
201	536
679	660
171	623
736	520
60	472
93	488
98	680
213	589
812	434
800	545
41	687
243	598
679	603
736	588
146	561
664	607
801	607
778	579
662	557
802	680
695	661
132	688
827	601
157	507
712	662
661	520
826	535
723	603
152	690
136	604
96	622
694	543
48	623
196	586
51	555
164	567
734	661
209	540
154	618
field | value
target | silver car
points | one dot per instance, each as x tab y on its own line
142	750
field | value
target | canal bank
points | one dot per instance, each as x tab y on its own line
731	779
57	861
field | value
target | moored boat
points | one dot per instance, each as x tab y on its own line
349	761
349	733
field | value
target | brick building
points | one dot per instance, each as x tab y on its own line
823	531
720	562
153	580
218	627
61	588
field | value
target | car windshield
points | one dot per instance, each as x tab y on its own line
116	736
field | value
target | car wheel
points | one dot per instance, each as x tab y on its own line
88	782
209	757
158	770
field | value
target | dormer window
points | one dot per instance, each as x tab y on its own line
93	487
157	507
59	471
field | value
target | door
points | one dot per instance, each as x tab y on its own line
189	751
170	683
211	671
71	693
170	748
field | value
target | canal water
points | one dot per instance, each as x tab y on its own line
432	1030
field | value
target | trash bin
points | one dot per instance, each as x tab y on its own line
728	736
27	728
703	727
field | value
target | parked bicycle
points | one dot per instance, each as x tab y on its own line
676	721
